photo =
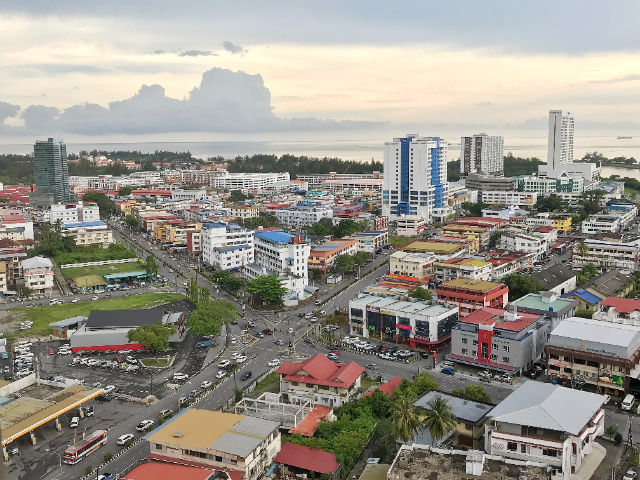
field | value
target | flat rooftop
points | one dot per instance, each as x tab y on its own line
479	285
534	302
462	408
434	247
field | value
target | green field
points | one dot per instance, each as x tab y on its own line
271	383
101	270
43	316
400	241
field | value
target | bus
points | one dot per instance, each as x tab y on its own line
74	453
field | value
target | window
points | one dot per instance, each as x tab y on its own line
495	346
494	358
505	359
549	452
554	356
218	458
158	446
475	342
505	348
295	384
567	359
512	446
309	385
474	353
523	448
465	351
464	339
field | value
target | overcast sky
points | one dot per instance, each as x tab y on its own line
123	69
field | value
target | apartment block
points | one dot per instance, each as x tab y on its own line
470	268
226	246
323	256
607	255
302	216
38	274
472	295
74	212
482	154
411	264
89	233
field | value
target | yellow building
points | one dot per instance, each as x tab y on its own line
471	240
483	233
441	250
562	222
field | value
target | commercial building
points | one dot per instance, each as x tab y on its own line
323	256
441	250
501	340
597	355
557	279
482	154
74	212
51	171
250	181
89	233
353	185
409	225
302	216
557	181
618	310
549	304
469	267
320	381
524	242
226	246
370	242
316	179
509	197
607	255
297	461
244	211
223	441
506	262
484	183
601	223
416	323
415	176
552	425
411	264
15	226
472	295
38	275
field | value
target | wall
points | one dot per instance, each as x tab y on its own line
104	262
17	385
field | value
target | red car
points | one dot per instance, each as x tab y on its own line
267	331
337	352
51	352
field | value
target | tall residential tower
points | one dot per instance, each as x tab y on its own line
415	176
560	147
50	169
482	154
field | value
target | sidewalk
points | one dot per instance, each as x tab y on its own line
215	352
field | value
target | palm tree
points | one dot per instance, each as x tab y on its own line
439	418
405	419
58	225
582	248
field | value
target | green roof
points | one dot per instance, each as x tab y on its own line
534	301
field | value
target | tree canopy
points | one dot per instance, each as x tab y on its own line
227	281
153	337
520	285
210	314
237	196
591	200
420	293
344	262
551	203
132	223
473	392
439	418
105	204
151	265
267	287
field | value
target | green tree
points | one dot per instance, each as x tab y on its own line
582	248
589	271
319	230
105	205
132	223
193	292
237	394
424	382
151	265
152	337
520	285
420	293
591	200
360	258
473	392
237	196
495	238
346	227
379	402
58	225
405	421
611	430
439	419
268	288
474	209
344	263
208	317
551	203
316	274
126	190
25	291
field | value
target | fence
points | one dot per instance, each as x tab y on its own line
102	262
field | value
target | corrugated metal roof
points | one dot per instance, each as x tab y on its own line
462	408
236	444
255	427
608	333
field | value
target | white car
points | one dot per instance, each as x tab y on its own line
274	363
66	351
124	351
122	439
206	384
241	359
224	364
93	362
221	374
75	300
235	355
132	368
143	425
180	376
74	422
94	298
109	388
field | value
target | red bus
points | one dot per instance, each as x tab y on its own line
74	453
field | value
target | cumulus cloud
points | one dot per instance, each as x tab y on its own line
197	53
225	101
233	49
8	111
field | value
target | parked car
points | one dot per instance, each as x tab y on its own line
180	376
267	331
166	413
372	366
75	300
52	351
75	421
221	374
246	376
274	363
224	364
94	298
241	359
279	342
206	384
143	425
448	371
122	439
109	388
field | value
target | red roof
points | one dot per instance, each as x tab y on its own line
544	229
234	474
156	470
307	458
495	316
319	370
625	305
310	423
388	388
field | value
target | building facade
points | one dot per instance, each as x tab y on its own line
409	225
482	154
51	171
411	264
38	275
226	246
470	268
89	233
607	255
472	295
302	216
74	212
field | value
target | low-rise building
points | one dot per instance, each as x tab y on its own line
484	183
38	274
509	197
524	242
607	255
556	309
471	295
302	216
370	242
499	211
600	356
299	461
224	441
618	310
410	225
227	246
557	279
601	223
89	233
500	340
419	324
244	211
320	381
506	262
440	249
323	256
74	212
469	267
411	264
552	425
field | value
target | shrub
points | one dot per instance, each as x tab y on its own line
618	438
88	470
128	443
108	456
160	420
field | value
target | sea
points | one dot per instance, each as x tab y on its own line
362	150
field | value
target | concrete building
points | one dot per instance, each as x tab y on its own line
38	275
600	356
509	197
607	255
556	181
469	267
302	216
441	250
500	340
316	179
557	279
618	310
524	242
418	324
191	195
499	211
89	233
74	212
411	264
250	181
560	142
410	225
600	223
549	425
549	304
227	246
323	256
484	183
244	211
224	441
370	242
51	171
472	295
415	176
482	154
320	381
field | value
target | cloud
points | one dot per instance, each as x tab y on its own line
8	111
225	101
197	53
158	52
233	49
633	77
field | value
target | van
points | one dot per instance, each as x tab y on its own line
627	403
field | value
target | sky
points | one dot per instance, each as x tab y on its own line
211	70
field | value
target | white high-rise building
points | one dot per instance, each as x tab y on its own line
560	147
415	176
227	246
482	154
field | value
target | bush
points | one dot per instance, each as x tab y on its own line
108	456
128	443
160	420
88	470
618	438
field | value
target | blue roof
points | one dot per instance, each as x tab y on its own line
583	294
96	223
277	236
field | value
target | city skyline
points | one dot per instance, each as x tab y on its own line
128	72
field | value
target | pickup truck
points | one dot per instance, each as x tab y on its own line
204	344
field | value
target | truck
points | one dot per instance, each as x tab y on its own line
204	344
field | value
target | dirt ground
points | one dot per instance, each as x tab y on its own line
10	322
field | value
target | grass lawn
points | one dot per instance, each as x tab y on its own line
43	316
367	383
271	383
101	270
152	362
400	241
